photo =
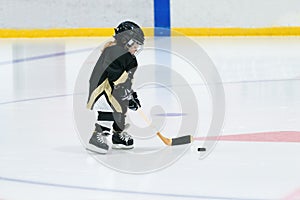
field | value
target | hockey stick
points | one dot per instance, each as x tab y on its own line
108	116
168	141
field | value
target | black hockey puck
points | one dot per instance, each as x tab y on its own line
201	149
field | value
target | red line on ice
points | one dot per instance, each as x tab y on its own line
280	136
294	195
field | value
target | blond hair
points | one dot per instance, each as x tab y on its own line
109	44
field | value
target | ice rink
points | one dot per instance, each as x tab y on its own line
42	155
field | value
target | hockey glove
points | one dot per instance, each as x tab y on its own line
134	102
127	96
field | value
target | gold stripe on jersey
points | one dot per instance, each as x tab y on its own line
104	87
122	78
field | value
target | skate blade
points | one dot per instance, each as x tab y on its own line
94	149
121	146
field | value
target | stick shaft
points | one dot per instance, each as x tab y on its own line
170	142
142	114
165	140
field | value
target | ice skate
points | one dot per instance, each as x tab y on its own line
122	140
98	143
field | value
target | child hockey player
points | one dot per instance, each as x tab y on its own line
111	79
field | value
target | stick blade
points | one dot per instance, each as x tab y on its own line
182	140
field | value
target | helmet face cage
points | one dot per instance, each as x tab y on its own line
132	43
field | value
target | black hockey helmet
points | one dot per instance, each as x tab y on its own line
128	32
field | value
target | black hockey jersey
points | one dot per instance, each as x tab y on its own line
115	65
